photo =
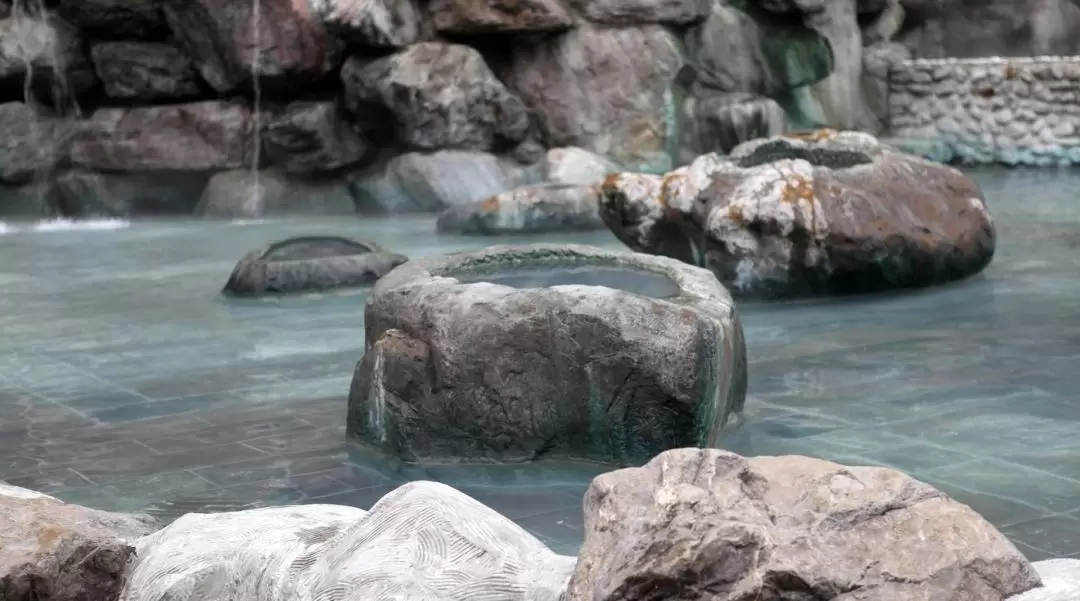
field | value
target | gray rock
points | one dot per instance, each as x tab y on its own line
116	19
820	213
531	209
643	12
577	167
34	200
313	137
720	122
53	551
32	143
237	194
485	16
429	182
457	102
373	23
197	136
878	60
292	46
608	90
705	523
45	45
310	264
1060	579
93	194
955	28
486	356
144	71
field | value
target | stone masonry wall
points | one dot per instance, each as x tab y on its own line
1019	111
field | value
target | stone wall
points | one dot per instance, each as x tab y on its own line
1017	111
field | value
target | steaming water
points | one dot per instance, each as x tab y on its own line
66	225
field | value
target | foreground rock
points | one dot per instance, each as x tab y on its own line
310	264
465	360
53	551
821	213
532	209
421	542
710	524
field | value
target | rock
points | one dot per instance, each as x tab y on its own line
292	46
53	551
723	121
236	194
711	524
144	71
441	95
483	16
34	200
310	264
313	137
32	143
643	12
577	167
116	19
43	45
518	353
877	62
372	23
430	182
92	194
954	28
608	90
884	26
198	136
1060	578
820	213
422	542
531	209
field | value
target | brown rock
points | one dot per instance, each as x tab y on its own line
144	71
198	136
312	137
483	16
709	524
53	551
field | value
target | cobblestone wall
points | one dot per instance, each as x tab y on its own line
1023	111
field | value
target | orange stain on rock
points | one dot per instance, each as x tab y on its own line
797	188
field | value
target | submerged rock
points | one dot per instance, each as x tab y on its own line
310	264
819	213
466	361
530	209
706	523
53	551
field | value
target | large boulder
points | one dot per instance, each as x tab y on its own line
422	542
608	90
39	46
311	137
281	46
53	551
576	166
441	95
246	194
527	210
82	193
482	16
705	523
643	12
823	213
518	353
197	136
32	144
372	23
144	71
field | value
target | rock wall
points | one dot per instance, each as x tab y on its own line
1014	111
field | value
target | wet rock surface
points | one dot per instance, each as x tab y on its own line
531	209
820	213
144	71
463	370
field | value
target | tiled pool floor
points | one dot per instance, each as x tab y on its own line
126	383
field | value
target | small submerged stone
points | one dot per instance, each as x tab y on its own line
310	264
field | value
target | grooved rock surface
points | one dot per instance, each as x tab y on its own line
515	353
53	551
819	213
706	523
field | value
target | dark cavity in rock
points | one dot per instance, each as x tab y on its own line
779	150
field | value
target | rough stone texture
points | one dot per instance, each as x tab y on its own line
705	523
52	551
484	372
198	136
723	121
116	19
236	194
1060	578
31	143
608	90
442	96
45	45
878	62
1014	111
485	16
310	264
373	23
313	137
823	213
144	71
532	209
290	43
576	166
431	182
91	194
422	542
643	12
